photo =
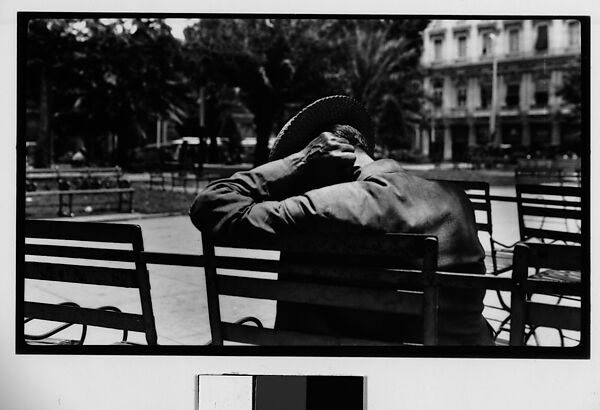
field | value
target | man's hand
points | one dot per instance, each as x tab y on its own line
327	160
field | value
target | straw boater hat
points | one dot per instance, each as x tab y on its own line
316	118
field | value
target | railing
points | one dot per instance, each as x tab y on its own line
503	57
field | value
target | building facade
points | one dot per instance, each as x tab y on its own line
496	82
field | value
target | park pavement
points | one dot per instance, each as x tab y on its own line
179	293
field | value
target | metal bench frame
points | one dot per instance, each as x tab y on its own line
78	272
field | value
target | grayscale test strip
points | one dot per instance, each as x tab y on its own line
276	392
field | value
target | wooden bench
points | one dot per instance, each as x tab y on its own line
561	171
365	274
171	174
88	264
354	277
69	183
52	176
347	272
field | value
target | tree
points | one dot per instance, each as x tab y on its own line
570	91
107	77
245	53
114	77
45	71
281	61
383	72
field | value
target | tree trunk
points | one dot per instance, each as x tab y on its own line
213	149
263	133
44	147
264	118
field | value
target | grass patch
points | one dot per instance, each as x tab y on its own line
147	201
151	201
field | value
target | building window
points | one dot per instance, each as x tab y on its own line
541	43
512	95
513	41
487	45
482	132
437	49
486	95
574	34
462	47
438	93
461	96
542	88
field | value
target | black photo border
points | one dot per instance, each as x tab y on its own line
581	351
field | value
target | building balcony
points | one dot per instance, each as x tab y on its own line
481	112
503	112
509	111
539	111
503	57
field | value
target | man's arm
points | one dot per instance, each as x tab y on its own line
269	199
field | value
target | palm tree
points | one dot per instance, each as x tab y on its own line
385	76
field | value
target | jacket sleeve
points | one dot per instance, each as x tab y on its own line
259	201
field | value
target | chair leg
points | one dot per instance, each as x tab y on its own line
502	302
60	205
502	326
562	337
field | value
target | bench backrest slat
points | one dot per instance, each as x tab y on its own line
556	190
79	252
560	317
93	317
551	212
83	231
90	275
539	210
372	276
262	336
564	257
248	264
320	294
551	234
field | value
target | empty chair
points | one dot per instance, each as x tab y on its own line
549	214
534	314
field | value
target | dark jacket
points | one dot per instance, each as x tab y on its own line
384	198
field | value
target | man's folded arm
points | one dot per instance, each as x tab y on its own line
253	202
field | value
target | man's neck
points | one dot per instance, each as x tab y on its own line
362	158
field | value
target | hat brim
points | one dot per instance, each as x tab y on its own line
318	117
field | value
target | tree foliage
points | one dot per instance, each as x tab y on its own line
385	74
570	90
107	78
114	77
281	61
